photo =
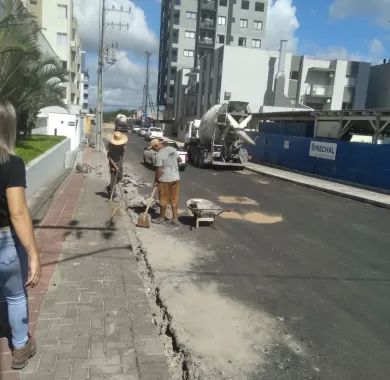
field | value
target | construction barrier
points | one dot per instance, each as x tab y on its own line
364	164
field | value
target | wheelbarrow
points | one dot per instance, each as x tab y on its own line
204	210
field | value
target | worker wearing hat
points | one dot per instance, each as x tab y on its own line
116	150
168	179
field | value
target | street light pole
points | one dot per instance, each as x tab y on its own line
99	108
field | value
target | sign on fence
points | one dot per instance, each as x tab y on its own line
323	150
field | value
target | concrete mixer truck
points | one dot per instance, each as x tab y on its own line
220	137
121	123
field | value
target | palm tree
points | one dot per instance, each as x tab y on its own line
27	78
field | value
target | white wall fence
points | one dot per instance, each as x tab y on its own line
47	167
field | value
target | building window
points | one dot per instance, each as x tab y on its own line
189	34
64	65
221	39
259	7
62	11
243	23
256	43
177	2
172	91
258	25
176	17
188	53
175	36
223	3
245	4
294	75
33	2
174	55
241	41
191	15
62	39
221	20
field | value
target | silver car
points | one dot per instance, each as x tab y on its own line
150	155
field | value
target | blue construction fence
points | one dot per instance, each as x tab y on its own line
364	164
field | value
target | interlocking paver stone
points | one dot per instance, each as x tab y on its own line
92	316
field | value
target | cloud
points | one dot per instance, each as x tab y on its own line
137	38
374	53
123	84
376	47
377	9
282	23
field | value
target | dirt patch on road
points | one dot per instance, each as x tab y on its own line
219	337
253	217
237	200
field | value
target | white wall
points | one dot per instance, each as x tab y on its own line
46	168
65	125
245	74
339	85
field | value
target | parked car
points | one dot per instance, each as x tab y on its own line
154	133
142	131
136	128
150	155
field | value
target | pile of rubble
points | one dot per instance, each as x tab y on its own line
131	186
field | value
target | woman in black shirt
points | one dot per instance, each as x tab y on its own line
18	248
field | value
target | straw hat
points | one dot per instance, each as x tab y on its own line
153	143
118	138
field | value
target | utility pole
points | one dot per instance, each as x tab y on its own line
147	98
102	65
148	54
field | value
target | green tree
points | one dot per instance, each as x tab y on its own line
29	80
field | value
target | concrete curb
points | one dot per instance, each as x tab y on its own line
325	190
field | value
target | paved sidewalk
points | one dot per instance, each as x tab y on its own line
90	313
372	197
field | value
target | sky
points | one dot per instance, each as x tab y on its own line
335	29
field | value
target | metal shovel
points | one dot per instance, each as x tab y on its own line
144	218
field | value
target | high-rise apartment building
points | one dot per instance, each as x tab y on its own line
84	84
192	28
60	29
319	84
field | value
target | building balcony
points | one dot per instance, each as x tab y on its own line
209	5
319	91
207	23
206	41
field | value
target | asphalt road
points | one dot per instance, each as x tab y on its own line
320	263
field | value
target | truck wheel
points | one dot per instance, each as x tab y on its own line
182	168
